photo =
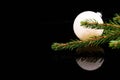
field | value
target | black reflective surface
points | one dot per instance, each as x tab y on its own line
58	27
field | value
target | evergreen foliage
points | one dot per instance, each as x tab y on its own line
111	36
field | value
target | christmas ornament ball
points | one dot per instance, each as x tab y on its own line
84	33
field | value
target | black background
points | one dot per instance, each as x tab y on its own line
36	28
56	25
30	30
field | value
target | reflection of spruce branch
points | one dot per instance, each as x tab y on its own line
91	59
111	36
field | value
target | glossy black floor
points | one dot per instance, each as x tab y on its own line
57	26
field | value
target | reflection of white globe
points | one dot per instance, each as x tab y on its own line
90	58
85	33
90	66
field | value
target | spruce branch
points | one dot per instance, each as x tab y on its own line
108	28
115	19
95	41
111	35
114	44
100	26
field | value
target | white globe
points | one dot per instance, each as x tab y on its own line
84	33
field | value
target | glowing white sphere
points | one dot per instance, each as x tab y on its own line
84	33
